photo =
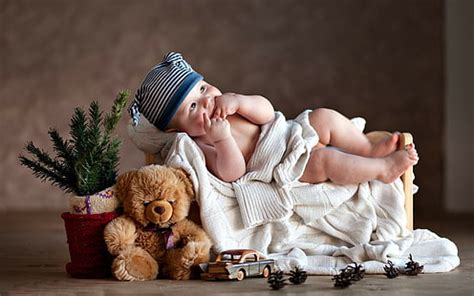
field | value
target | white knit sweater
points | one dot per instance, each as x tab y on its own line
278	161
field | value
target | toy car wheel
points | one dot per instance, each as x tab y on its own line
240	275
266	271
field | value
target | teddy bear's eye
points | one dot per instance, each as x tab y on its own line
171	201
145	203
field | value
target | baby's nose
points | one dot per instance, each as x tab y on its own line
206	101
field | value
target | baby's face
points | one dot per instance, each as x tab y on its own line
200	101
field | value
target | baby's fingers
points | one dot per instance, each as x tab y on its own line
218	113
207	121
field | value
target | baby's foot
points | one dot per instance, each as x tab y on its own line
398	162
386	146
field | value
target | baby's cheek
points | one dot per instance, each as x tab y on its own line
199	121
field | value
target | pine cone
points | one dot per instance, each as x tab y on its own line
298	276
276	280
357	272
391	271
342	280
348	275
413	267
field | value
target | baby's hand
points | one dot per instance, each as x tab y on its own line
226	104
218	129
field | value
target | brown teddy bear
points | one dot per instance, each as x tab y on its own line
154	235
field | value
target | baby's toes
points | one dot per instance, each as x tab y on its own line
413	155
410	149
395	138
414	158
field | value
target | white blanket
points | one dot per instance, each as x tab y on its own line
320	228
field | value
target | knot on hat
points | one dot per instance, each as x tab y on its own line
134	111
176	59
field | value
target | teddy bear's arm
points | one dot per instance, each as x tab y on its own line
187	232
119	233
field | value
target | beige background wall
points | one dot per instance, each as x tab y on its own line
382	60
459	159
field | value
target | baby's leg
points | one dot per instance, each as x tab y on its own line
336	130
343	168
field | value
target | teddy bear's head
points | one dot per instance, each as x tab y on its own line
155	194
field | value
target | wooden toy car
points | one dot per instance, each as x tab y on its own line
238	264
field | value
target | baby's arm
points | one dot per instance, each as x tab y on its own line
254	108
225	160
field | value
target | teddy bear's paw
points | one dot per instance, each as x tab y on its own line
119	234
178	264
202	252
202	247
189	254
182	274
135	264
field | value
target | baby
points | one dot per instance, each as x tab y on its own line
227	127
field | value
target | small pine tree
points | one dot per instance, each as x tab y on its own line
88	162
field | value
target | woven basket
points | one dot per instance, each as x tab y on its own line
87	248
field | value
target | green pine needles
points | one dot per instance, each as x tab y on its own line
87	162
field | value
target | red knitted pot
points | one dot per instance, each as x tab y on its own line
87	249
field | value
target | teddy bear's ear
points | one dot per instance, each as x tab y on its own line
123	183
184	177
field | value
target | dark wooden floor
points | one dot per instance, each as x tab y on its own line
33	253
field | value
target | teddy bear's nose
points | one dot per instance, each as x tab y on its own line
159	210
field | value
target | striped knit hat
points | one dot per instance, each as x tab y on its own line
163	90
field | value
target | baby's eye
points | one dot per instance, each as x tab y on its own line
192	106
202	89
